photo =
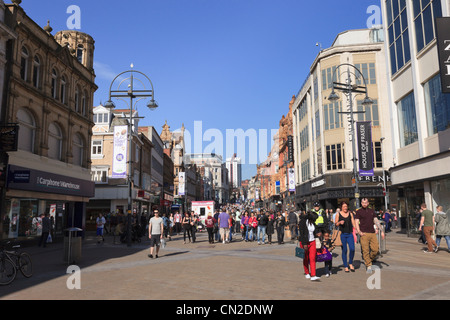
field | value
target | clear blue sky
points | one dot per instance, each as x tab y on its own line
232	64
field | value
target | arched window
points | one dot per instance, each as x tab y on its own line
24	64
80	51
36	71
63	84
54	83
27	130
55	139
78	150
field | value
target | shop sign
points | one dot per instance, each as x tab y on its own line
365	149
443	42
9	135
33	180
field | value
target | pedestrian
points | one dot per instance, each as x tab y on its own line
442	226
262	225
166	222
270	228
327	243
293	223
100	221
231	224
387	218
427	224
365	218
345	221
224	226
280	224
210	222
155	231
178	222
244	225
194	224
186	223
46	227
308	243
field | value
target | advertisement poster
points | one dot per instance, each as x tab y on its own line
365	149
181	183
291	180
119	169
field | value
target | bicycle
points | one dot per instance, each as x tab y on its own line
11	261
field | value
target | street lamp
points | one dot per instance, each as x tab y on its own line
384	176
131	92
348	89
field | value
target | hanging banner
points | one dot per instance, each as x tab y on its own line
181	183
365	149
291	180
119	168
443	43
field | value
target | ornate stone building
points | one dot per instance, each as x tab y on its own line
50	87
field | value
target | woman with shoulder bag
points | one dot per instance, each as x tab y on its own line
186	222
308	243
346	223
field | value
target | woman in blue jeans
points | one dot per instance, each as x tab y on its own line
346	222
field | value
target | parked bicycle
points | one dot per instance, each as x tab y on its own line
11	261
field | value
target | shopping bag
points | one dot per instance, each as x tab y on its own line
323	255
336	237
49	238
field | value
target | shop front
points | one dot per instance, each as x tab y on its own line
31	194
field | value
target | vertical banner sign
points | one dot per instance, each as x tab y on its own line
256	194
443	41
291	179
290	144
181	183
365	149
120	152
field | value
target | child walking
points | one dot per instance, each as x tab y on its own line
326	242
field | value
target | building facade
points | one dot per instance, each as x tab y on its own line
420	112
48	94
322	134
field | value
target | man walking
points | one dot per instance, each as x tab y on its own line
46	226
427	223
224	226
262	225
365	219
293	223
155	231
100	221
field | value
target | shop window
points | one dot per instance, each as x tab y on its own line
27	130
55	142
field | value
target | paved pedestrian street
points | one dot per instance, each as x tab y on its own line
236	271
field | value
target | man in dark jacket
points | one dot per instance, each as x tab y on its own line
293	223
46	226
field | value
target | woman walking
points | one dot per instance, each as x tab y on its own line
209	222
244	224
308	243
280	223
346	223
186	222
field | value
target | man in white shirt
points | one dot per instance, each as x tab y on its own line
100	226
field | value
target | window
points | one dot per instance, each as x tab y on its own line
327	77
377	155
80	51
335	157
368	71
54	142
304	138
101	118
371	113
99	175
306	175
437	106
36	71
54	82
407	120
83	104
398	37
27	130
425	11
78	150
97	147
63	90
332	117
24	64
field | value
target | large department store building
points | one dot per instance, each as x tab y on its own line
420	111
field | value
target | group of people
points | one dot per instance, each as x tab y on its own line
434	224
315	233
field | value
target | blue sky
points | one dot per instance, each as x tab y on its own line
232	64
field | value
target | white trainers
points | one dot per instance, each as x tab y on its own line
307	276
315	278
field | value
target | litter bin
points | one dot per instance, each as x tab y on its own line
381	241
72	245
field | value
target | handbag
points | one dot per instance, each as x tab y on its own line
299	252
336	237
318	244
323	255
